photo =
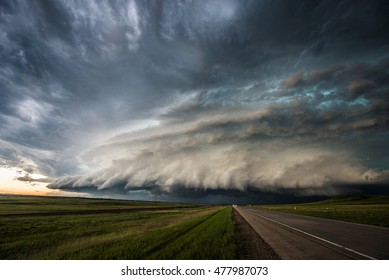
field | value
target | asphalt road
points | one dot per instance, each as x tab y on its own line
304	237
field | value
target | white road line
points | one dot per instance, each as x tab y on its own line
314	236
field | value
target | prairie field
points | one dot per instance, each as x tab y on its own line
364	209
76	228
20	204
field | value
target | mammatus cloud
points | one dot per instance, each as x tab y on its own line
190	98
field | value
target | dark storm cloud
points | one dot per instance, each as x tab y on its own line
29	179
184	96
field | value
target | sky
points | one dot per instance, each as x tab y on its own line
202	101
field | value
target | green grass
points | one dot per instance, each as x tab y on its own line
373	210
176	233
17	204
210	237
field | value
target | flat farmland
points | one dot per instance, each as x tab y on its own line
364	209
19	204
76	228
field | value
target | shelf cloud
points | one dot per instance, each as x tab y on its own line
194	98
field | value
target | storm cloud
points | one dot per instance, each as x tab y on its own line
196	98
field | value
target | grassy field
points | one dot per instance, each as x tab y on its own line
18	204
176	232
373	210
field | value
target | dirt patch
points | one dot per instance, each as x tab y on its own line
250	245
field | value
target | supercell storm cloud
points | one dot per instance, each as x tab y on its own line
186	97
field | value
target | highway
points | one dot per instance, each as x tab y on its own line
297	237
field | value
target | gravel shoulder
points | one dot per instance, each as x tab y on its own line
250	245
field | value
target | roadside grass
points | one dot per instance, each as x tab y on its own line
364	209
180	233
210	237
